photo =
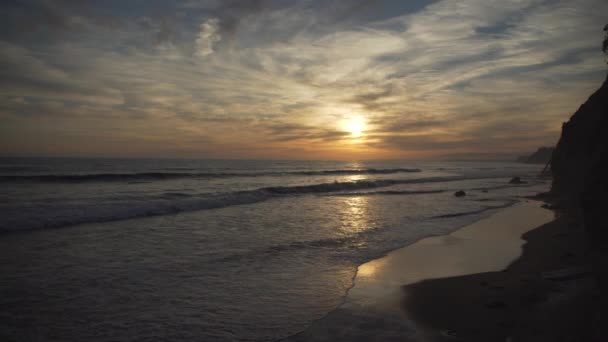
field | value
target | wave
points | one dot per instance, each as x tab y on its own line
156	176
15	168
530	183
390	192
274	250
58	214
474	212
356	172
110	177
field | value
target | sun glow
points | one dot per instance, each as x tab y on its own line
355	126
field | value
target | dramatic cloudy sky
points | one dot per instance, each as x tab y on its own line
293	79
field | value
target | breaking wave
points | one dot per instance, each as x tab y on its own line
155	176
54	215
474	212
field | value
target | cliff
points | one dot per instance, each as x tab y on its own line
541	156
581	147
580	182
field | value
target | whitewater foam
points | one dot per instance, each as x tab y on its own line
158	176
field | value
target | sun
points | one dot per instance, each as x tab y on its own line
355	126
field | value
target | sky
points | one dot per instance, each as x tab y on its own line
303	79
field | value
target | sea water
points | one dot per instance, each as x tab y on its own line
161	249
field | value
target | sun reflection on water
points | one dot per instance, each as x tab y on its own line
355	214
355	178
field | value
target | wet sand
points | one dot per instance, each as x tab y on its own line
488	281
490	244
547	294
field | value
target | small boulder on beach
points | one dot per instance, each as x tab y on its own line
460	193
516	180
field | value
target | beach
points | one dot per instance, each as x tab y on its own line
517	275
540	296
305	171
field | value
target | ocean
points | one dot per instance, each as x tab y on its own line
215	250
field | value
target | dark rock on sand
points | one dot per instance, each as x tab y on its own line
460	193
516	180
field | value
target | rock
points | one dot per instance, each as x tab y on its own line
460	193
579	166
516	180
581	152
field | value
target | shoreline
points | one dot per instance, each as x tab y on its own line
487	244
491	276
299	336
546	294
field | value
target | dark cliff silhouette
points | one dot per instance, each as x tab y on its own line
579	160
580	181
541	156
581	147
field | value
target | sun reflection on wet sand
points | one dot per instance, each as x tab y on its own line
366	270
487	245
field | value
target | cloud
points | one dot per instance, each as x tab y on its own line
286	132
24	74
51	21
444	77
207	37
200	4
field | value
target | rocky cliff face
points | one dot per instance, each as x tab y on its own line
541	156
581	148
580	179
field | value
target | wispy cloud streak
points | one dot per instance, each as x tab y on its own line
215	78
